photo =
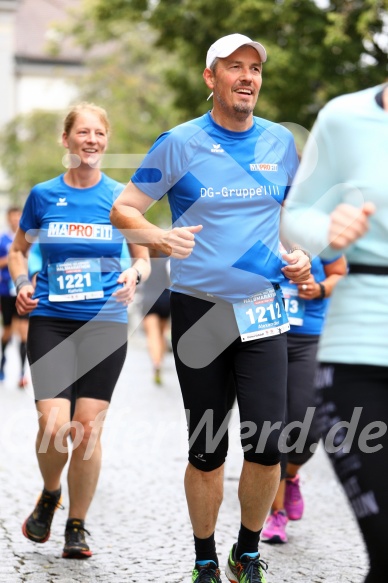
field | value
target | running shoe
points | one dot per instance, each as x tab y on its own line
157	376
2	375
293	500
208	573
75	543
274	530
38	524
246	569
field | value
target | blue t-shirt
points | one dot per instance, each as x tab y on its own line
306	316
232	183
35	260
6	284
80	249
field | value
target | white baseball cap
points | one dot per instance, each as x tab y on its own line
226	45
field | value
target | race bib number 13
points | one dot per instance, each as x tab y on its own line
295	306
78	279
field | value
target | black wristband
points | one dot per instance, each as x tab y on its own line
21	281
323	291
139	275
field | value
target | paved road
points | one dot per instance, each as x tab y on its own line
138	520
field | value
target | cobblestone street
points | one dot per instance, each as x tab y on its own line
138	520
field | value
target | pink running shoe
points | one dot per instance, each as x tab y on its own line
293	501
274	530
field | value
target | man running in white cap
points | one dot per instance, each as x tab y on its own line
226	175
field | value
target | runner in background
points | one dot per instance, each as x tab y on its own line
13	323
306	306
156	314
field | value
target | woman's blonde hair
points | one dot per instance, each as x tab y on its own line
79	108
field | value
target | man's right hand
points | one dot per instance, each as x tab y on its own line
180	241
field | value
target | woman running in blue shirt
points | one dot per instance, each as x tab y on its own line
78	319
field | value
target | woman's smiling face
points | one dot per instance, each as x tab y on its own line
87	138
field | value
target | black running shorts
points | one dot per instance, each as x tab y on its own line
259	369
69	356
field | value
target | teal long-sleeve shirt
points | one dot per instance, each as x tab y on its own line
346	160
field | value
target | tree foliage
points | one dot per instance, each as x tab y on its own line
146	58
126	78
315	52
30	151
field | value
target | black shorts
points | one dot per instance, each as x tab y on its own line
8	310
73	357
259	369
161	307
